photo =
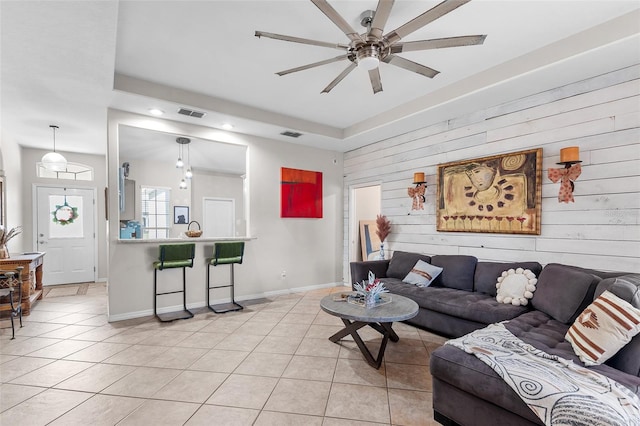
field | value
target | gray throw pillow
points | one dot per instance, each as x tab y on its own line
563	292
458	271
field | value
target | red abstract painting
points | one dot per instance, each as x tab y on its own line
300	193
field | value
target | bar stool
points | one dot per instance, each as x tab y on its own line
226	253
11	285
173	256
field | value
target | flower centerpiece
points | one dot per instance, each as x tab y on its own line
5	236
371	290
383	229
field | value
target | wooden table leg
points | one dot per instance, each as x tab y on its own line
39	280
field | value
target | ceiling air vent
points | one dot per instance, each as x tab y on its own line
291	134
191	113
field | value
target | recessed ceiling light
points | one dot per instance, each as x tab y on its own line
227	126
155	111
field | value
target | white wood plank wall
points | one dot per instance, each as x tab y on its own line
600	230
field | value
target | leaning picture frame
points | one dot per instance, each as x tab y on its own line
181	215
497	194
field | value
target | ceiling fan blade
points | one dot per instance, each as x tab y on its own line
438	43
313	65
411	66
339	78
380	17
420	21
301	40
376	83
335	17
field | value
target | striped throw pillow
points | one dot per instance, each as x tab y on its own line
603	328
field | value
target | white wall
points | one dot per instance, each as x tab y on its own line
308	250
600	230
10	168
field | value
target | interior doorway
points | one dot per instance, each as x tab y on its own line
65	228
365	205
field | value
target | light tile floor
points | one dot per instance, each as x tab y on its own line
270	364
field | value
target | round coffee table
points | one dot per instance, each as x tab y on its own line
380	318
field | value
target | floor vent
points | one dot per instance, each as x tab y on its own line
291	134
191	113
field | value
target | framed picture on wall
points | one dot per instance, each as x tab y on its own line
300	193
180	215
369	240
498	194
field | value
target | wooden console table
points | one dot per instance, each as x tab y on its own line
31	276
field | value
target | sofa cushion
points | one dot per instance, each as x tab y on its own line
422	274
563	292
458	271
468	305
487	274
473	376
547	334
402	262
603	328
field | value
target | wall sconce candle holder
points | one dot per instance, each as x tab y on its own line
417	193
570	158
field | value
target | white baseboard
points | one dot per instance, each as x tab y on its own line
166	309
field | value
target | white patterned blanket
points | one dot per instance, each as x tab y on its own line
558	391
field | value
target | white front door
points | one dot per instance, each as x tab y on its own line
219	217
65	230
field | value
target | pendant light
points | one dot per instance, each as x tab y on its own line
182	141
188	174
179	163
52	160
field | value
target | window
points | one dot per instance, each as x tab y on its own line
75	171
155	212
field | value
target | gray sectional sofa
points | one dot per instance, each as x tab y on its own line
465	390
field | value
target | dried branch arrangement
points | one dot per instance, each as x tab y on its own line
5	235
384	227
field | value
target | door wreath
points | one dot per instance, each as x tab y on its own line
64	214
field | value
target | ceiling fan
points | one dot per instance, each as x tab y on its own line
369	49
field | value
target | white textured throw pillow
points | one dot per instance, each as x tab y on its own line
516	286
603	328
422	274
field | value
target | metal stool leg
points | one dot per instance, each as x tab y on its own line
12	314
155	292
223	307
171	316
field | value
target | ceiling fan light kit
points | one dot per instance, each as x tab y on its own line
367	50
368	58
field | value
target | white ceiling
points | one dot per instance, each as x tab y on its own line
66	62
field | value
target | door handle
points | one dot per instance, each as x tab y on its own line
42	242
